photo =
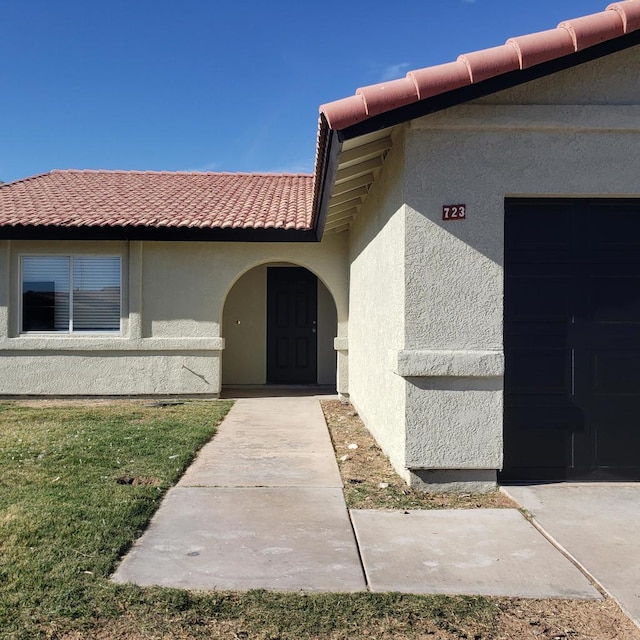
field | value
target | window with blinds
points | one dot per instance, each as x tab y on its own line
71	293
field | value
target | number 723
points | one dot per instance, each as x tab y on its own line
454	211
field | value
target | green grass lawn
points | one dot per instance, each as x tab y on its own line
78	484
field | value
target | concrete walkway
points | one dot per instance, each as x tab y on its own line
598	525
262	507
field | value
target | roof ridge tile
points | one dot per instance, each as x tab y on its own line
431	81
517	53
25	179
143	172
593	29
629	12
488	63
342	113
542	46
378	97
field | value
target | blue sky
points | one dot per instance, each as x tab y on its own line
202	85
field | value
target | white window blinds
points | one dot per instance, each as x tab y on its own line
96	294
71	293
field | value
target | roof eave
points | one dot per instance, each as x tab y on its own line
158	234
324	184
487	87
336	137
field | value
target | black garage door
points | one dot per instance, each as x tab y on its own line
572	340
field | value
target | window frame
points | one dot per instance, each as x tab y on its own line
70	331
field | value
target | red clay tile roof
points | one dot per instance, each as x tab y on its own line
158	199
522	52
72	199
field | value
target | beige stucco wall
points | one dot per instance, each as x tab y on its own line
327	324
5	280
613	79
173	297
425	333
244	328
517	143
377	304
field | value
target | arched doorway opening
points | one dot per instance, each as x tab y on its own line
279	322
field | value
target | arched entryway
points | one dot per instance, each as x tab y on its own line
279	323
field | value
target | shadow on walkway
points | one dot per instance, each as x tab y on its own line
278	391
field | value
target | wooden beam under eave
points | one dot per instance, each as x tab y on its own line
360	192
377	147
339	230
343	216
345	206
339	189
358	169
344	227
341	219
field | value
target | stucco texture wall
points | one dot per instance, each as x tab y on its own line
613	79
377	309
574	134
244	327
173	296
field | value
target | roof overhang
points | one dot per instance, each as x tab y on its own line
159	234
351	158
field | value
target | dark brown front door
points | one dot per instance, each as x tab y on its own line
572	340
292	302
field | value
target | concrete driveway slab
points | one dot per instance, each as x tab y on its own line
492	552
599	526
282	539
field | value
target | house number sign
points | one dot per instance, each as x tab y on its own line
454	211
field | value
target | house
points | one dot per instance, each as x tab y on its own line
464	265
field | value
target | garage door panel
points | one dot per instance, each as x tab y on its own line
541	371
616	373
616	444
572	339
530	233
526	414
613	228
530	334
552	446
540	298
614	298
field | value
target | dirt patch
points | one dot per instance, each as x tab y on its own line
44	403
560	620
509	620
133	480
370	481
